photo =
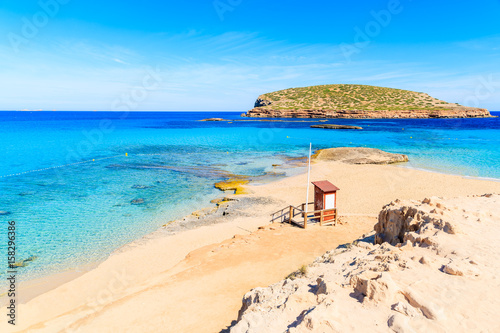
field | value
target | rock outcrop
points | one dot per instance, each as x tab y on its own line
429	277
359	155
399	223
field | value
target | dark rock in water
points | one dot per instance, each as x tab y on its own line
332	126
22	194
4	212
137	201
31	258
24	262
141	187
214	119
115	166
20	263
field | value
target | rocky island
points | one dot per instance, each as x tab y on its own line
357	101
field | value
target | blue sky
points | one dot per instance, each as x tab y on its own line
222	54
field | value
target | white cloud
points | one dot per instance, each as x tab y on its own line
224	72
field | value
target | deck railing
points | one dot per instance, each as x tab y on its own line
287	214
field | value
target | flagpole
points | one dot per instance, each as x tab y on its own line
308	177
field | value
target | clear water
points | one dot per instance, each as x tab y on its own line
79	213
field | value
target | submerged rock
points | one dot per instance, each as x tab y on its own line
214	119
140	187
20	263
137	201
115	166
31	258
23	262
332	126
23	194
4	212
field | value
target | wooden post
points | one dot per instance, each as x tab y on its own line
305	220
335	220
291	215
321	218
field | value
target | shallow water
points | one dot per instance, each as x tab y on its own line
80	212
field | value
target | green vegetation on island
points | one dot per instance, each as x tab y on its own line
351	97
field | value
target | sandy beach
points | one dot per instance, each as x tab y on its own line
235	166
194	280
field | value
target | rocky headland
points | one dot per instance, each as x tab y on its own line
431	267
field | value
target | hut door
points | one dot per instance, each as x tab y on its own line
329	201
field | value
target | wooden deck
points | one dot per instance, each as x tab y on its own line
298	216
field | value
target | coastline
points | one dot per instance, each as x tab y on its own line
142	257
52	281
380	134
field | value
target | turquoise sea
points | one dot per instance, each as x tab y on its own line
68	179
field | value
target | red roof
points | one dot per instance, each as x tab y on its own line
326	186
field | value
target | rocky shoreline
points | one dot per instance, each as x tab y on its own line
458	112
